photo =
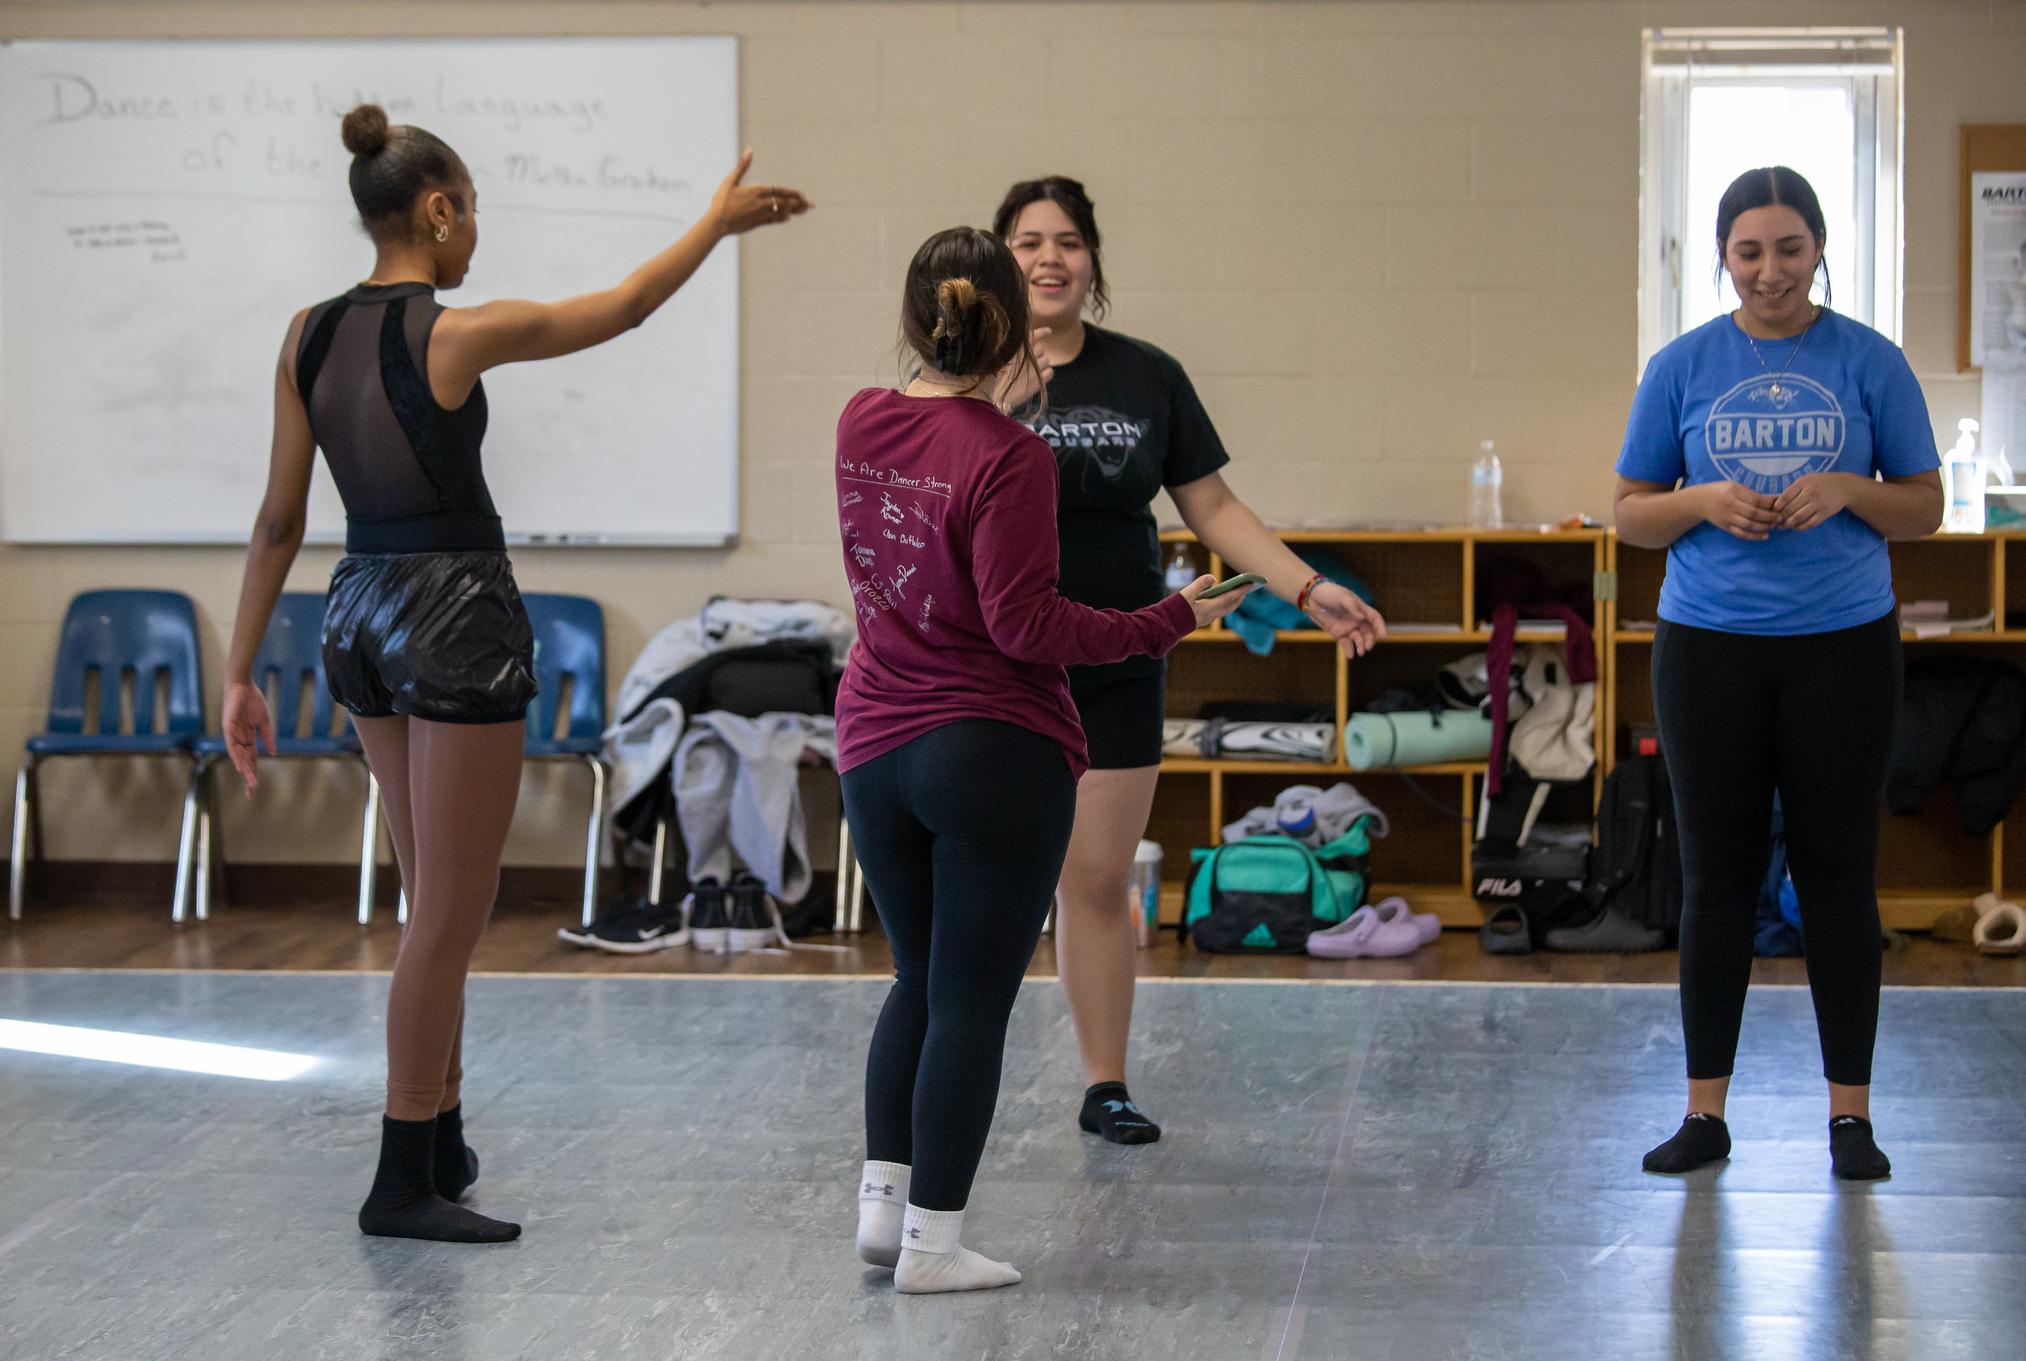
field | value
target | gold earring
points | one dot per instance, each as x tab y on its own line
442	232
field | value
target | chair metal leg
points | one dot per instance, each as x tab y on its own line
216	891
843	871
36	846
17	868
847	862
369	850
592	837
657	872
202	859
186	848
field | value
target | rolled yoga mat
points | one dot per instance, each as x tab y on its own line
1386	741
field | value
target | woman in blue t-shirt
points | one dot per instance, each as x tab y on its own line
1773	452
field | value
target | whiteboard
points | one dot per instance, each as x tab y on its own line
167	207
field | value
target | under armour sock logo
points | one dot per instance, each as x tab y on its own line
872	1190
1116	1106
914	1233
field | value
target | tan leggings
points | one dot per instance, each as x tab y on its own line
448	790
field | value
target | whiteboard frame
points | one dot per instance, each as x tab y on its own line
730	537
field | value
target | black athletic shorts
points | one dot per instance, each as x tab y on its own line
440	636
1121	714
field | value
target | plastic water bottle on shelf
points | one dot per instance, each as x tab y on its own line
1487	478
1143	895
1181	569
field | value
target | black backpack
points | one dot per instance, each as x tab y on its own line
1636	867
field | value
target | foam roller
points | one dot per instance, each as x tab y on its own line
1387	741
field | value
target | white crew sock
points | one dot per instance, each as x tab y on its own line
932	1261
882	1201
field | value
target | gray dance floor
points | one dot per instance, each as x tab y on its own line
1387	1171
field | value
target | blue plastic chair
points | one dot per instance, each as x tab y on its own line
131	644
289	670
570	658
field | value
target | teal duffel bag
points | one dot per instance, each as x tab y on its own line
1265	894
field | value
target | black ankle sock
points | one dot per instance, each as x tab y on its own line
1701	1140
1853	1153
1108	1109
404	1202
456	1164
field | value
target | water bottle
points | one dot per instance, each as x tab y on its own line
1181	570
1486	479
1298	821
1143	897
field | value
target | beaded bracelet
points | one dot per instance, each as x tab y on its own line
1301	601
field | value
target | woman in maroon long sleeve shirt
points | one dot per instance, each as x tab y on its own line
959	746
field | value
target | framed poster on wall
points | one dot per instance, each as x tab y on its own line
1993	212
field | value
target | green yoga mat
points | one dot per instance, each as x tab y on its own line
1385	741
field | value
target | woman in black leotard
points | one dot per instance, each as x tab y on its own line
425	638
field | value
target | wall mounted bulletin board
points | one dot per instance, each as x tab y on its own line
1985	148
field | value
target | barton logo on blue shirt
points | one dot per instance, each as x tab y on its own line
1766	441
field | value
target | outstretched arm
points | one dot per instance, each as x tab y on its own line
469	340
1015	565
1233	532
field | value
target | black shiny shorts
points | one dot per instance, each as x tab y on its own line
1121	714
439	636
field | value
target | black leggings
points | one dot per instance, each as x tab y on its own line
1812	716
961	833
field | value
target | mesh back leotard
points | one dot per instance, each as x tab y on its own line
407	468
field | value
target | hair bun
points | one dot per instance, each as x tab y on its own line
956	295
365	130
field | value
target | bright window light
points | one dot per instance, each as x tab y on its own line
154	1051
1718	102
1808	127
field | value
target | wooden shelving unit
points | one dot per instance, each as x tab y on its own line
1926	864
1426	581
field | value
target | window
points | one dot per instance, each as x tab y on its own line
1719	102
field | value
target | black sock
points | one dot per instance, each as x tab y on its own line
1853	1153
1108	1109
1701	1140
404	1202
456	1164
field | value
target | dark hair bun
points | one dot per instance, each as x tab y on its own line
365	130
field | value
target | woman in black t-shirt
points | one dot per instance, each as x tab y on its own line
1124	423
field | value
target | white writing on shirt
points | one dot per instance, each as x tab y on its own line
1775	432
1114	430
1766	431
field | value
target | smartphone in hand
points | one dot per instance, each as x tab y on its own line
1237	583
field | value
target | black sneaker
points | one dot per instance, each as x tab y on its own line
754	920
633	928
708	927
